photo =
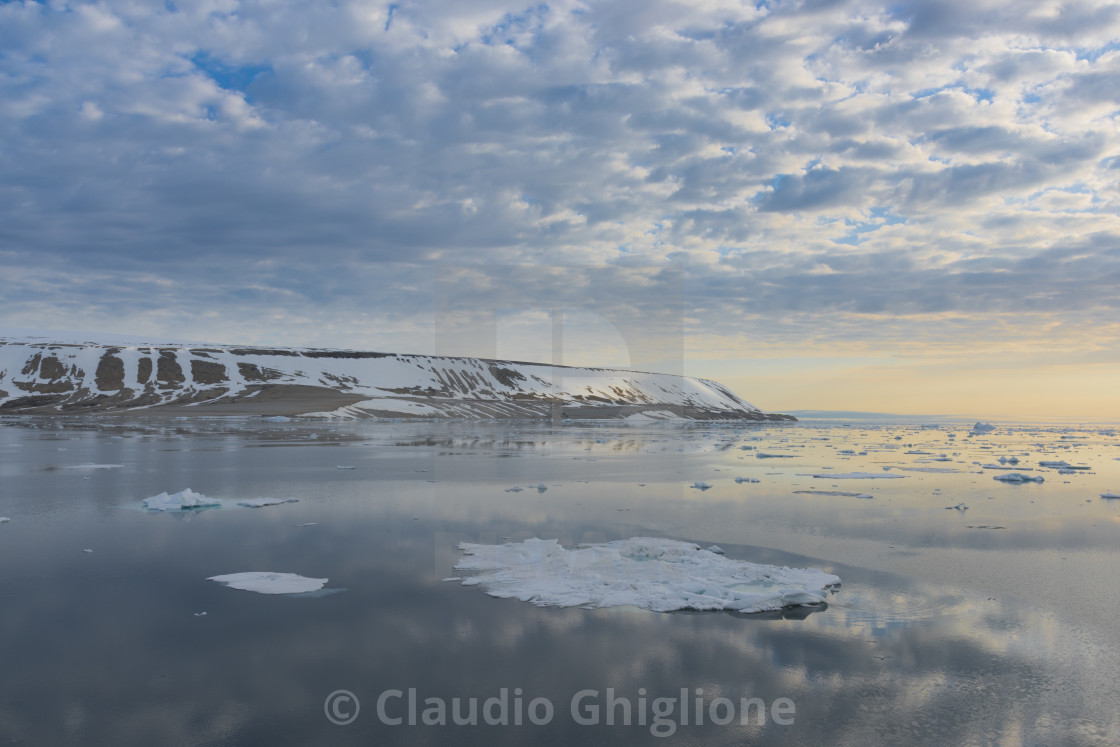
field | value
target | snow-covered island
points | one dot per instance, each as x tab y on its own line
59	377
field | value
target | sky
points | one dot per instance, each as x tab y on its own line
907	207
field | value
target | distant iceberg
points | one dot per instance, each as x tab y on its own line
655	574
184	499
983	428
264	582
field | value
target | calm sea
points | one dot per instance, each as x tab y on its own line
972	611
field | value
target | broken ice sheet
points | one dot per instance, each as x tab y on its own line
655	574
266	582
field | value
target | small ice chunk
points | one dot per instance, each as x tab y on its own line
700	485
1110	495
515	489
1016	477
86	549
541	487
344	466
762	455
856	476
958	507
1061	464
655	574
844	493
983	428
264	582
746	479
715	548
200	614
261	502
185	499
4	519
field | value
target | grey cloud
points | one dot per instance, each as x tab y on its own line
815	190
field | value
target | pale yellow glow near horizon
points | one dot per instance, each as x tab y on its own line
1090	392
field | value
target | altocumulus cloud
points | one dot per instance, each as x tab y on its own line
306	172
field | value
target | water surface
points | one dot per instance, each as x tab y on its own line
989	623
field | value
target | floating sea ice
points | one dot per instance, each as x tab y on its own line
857	476
983	428
541	487
654	574
958	507
1054	464
1016	477
746	479
700	485
185	499
715	548
344	466
261	502
1110	495
763	455
4	519
515	489
844	493
264	582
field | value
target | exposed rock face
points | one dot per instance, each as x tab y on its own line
110	372
53	378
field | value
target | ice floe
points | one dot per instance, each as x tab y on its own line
264	582
184	499
1017	477
262	502
4	519
746	479
844	493
654	574
700	485
1110	495
856	476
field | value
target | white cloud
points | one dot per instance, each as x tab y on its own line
807	160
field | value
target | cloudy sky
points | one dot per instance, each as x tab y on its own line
907	207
